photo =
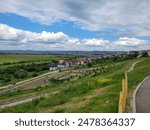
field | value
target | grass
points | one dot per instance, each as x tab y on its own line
140	71
13	60
105	102
19	58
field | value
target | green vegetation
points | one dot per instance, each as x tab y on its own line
94	91
14	60
17	72
141	71
9	59
14	68
76	92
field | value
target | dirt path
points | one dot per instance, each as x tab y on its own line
142	97
132	66
28	80
27	100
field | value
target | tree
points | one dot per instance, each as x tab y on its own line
20	74
133	54
144	54
89	64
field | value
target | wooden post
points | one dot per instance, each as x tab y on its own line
120	107
126	86
123	85
123	95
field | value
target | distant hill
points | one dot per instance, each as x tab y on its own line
59	52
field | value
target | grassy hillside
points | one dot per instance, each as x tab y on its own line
92	93
140	71
97	92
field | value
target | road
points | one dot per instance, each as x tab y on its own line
142	97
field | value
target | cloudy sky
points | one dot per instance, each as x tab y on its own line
75	25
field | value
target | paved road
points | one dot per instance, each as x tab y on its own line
143	97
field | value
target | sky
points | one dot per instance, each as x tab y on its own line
75	25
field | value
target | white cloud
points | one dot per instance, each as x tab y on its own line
130	42
126	44
92	15
74	41
8	33
95	42
15	39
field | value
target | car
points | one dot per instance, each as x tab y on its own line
13	83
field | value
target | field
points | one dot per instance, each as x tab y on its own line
92	90
14	68
20	58
11	60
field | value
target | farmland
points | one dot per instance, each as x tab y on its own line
22	58
14	68
82	89
11	60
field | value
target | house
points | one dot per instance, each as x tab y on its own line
63	64
53	66
86	58
67	63
148	52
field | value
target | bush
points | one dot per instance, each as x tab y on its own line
20	74
89	64
34	74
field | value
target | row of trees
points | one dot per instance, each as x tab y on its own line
29	68
22	71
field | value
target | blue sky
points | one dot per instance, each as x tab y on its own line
74	25
69	28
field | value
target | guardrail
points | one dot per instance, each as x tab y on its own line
123	95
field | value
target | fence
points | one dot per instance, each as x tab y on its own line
123	95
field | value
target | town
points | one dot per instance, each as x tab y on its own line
87	58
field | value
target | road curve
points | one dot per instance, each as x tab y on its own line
141	102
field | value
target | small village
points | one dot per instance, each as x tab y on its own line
85	58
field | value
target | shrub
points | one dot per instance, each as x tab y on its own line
20	74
